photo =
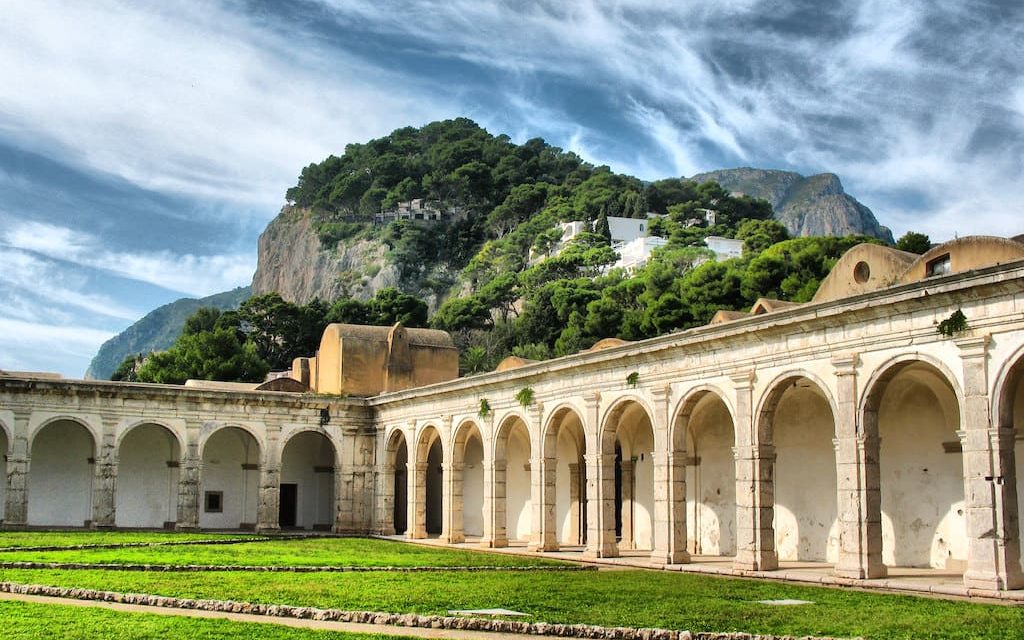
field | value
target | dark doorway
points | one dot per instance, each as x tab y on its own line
288	504
434	480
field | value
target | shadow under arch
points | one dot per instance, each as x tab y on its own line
396	481
564	480
231	458
512	497
911	412
703	437
307	480
428	484
149	457
627	495
796	419
62	456
467	517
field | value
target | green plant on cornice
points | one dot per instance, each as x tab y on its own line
525	396
633	379
485	408
955	323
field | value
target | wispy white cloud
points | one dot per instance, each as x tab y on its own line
38	346
191	274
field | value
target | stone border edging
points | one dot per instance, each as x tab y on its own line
129	545
185	568
389	619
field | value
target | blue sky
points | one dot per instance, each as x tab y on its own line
145	145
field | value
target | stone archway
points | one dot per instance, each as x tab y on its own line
428	485
628	439
914	410
468	486
398	463
147	477
61	475
708	429
797	421
307	482
565	482
513	506
229	485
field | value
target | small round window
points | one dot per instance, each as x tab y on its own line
862	272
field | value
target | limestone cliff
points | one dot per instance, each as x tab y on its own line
808	206
293	262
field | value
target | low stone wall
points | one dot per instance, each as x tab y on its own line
184	568
391	619
128	545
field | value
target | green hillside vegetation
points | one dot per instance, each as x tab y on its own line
491	260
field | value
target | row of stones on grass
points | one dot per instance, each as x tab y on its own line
378	618
127	545
107	566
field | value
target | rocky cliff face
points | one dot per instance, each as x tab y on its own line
292	262
811	206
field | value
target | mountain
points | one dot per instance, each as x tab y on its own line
157	330
809	206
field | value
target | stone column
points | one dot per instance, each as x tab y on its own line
104	484
755	490
858	481
416	527
384	488
627	469
268	499
669	487
189	478
993	551
600	486
495	531
453	532
16	490
538	478
548	474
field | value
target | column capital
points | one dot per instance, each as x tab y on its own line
662	393
845	363
591	399
973	346
743	379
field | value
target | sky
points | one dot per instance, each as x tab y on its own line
145	145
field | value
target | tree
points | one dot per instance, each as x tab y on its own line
128	370
914	242
601	227
207	355
758	235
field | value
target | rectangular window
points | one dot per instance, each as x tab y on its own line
939	266
213	502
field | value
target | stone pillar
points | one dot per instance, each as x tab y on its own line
600	486
755	490
416	526
268	499
384	488
495	531
858	481
104	484
669	486
548	477
189	478
993	551
453	532
538	478
16	490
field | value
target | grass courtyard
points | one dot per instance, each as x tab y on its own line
613	598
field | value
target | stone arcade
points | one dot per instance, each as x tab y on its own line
846	431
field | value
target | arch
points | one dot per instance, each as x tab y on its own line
467	481
911	413
97	435
512	494
309	459
229	482
149	455
627	433
429	482
704	434
563	492
5	450
125	429
7	433
1008	413
397	465
797	418
205	438
62	454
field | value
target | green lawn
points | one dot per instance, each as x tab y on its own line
627	598
353	552
31	621
72	538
